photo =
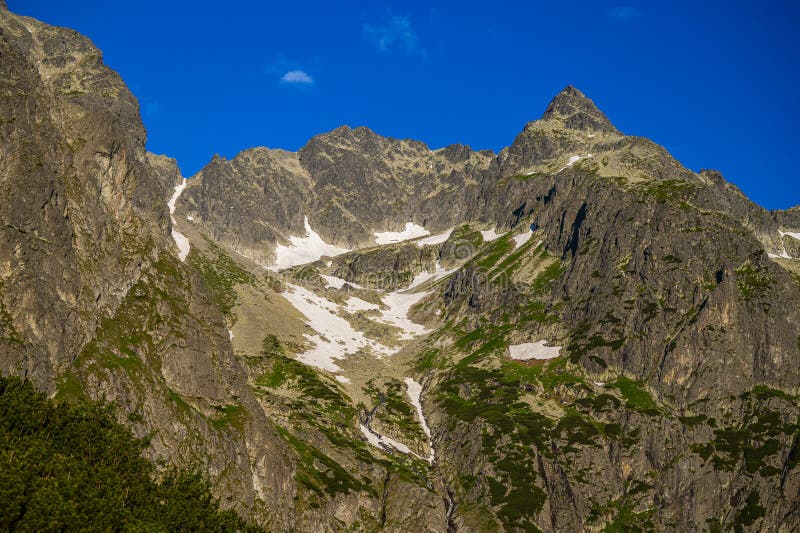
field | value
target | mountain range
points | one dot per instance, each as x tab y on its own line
574	334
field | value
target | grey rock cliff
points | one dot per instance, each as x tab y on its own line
93	301
673	403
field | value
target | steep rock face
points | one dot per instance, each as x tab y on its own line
405	181
679	334
385	268
578	112
672	403
789	217
93	301
654	294
166	168
250	202
78	200
703	269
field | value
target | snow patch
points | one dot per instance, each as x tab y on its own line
335	338
353	305
490	235
230	334
383	442
414	391
411	231
183	244
190	218
342	379
180	239
533	350
574	159
302	250
522	238
399	304
425	276
338	283
784	254
435	239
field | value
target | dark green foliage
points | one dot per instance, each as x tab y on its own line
581	344
428	359
576	430
666	190
492	252
635	396
692	421
512	262
318	472
544	280
752	282
70	466
755	439
465	236
751	512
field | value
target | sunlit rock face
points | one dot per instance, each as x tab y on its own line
576	332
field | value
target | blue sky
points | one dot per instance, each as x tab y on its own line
715	83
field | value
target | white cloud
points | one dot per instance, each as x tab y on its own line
297	77
395	32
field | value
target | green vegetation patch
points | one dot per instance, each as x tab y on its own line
220	274
319	473
747	515
760	436
230	415
311	400
67	466
581	344
667	190
753	282
287	372
635	396
543	282
395	409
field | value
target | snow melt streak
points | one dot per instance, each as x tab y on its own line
411	231
435	239
383	442
414	390
180	239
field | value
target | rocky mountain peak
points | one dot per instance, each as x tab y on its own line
442	340
577	111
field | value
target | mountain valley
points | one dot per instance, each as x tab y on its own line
576	333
